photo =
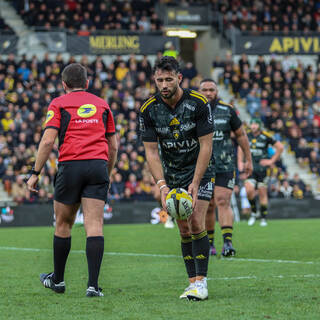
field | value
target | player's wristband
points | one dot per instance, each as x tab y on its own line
33	171
161	180
163	186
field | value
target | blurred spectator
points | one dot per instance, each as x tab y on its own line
18	190
286	190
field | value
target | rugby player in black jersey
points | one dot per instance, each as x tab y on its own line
226	122
179	121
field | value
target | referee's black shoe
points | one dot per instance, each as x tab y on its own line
228	250
47	281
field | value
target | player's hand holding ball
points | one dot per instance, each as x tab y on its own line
179	204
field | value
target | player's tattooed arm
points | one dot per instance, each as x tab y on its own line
243	142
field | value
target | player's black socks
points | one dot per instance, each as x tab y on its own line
253	205
200	249
61	249
186	248
94	251
263	210
226	233
211	237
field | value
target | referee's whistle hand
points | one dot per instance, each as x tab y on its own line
32	183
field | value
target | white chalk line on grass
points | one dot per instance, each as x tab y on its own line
268	277
163	255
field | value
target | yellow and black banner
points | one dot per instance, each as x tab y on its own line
118	44
277	44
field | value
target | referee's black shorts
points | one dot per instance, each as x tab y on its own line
81	179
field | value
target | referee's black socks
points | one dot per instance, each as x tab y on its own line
94	251
200	249
61	249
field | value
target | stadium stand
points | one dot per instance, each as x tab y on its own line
4	28
26	89
286	96
88	16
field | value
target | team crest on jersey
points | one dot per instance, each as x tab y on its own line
174	122
87	110
50	115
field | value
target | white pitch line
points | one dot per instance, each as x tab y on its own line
163	255
271	276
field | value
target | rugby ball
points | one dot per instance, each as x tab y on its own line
179	204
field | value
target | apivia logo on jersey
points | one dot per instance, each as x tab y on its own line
182	146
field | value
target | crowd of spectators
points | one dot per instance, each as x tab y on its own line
26	89
270	15
84	16
286	95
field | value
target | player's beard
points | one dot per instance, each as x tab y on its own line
170	94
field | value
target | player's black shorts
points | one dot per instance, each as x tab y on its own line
81	179
225	179
205	190
259	178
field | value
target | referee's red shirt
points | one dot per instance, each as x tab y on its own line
83	121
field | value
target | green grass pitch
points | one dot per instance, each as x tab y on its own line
276	275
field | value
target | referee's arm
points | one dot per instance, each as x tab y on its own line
45	147
112	152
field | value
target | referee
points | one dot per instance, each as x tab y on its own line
87	154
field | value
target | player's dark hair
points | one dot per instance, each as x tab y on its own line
167	63
208	80
74	75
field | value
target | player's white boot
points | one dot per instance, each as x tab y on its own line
263	222
199	292
252	219
186	290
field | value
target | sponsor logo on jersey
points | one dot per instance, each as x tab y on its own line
221	107
163	130
218	135
87	121
188	106
187	126
87	110
184	145
220	121
141	124
50	115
